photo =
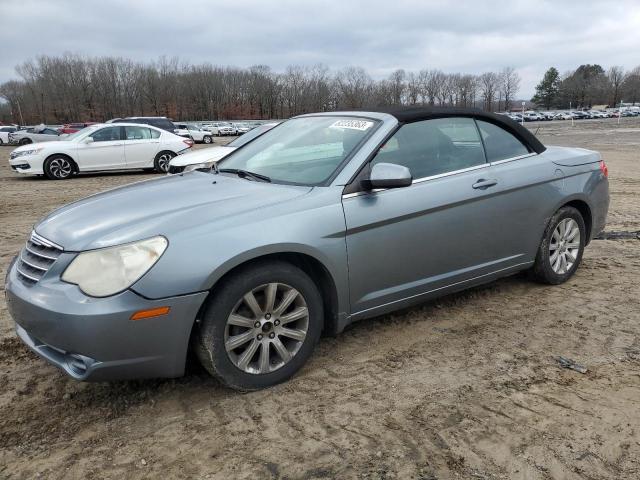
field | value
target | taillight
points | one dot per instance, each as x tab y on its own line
188	142
604	169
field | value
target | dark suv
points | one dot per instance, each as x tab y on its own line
161	122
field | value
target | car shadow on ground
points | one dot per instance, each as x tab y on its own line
117	173
117	397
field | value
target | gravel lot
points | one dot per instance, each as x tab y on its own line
465	387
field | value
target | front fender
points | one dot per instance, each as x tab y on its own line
198	257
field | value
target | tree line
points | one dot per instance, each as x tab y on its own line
68	88
73	88
588	85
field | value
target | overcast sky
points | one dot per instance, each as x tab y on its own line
381	36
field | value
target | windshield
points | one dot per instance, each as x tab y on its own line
81	133
303	151
250	135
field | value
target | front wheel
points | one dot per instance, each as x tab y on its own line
58	168
207	139
24	141
260	326
161	162
560	251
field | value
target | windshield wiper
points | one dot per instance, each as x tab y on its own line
245	174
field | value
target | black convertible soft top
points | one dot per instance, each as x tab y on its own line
416	114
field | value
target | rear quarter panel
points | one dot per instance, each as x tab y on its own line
535	187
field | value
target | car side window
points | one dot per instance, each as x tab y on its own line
137	133
107	134
500	144
154	133
49	131
433	147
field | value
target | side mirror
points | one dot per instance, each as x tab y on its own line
388	175
88	140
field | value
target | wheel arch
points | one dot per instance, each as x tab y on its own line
74	164
309	264
165	150
585	210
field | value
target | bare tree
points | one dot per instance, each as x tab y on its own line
354	87
489	84
509	86
615	76
631	86
75	88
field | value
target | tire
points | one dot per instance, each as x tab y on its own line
244	367
58	167
557	243
161	162
207	139
1	142
24	141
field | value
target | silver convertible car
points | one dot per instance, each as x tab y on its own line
326	219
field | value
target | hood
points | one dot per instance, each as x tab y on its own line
159	207
210	154
36	145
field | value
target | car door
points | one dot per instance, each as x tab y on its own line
526	190
140	146
45	135
104	151
182	130
443	230
195	133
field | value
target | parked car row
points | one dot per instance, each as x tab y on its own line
199	133
536	116
118	146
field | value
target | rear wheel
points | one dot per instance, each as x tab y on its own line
58	168
161	162
561	249
260	326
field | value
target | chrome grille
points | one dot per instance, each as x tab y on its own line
36	258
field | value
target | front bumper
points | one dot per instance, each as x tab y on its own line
30	164
94	339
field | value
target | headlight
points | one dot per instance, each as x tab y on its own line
26	152
107	271
198	166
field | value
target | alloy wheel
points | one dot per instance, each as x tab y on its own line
564	246
60	168
266	328
163	162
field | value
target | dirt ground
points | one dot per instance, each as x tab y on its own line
465	387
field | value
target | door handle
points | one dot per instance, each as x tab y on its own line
483	184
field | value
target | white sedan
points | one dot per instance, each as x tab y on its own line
194	132
101	147
205	158
5	130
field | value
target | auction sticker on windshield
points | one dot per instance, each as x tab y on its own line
352	124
